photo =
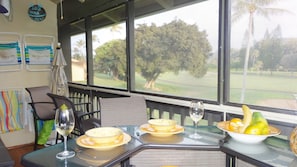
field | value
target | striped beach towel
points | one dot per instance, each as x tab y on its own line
10	109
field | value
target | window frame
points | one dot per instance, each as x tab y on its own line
223	60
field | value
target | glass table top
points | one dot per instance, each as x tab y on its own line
272	152
84	156
211	137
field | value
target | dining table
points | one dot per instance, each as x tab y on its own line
271	152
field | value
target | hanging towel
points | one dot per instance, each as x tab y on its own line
10	109
10	53
39	54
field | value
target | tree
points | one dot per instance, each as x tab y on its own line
270	50
252	8
95	38
110	58
78	50
289	59
171	47
116	28
235	59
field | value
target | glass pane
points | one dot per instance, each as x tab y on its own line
109	44
78	58
176	50
263	63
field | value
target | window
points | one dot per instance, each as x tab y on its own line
78	53
176	51
263	58
109	45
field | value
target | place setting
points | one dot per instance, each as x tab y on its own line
103	138
161	127
172	139
96	157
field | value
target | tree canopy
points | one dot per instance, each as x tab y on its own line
171	47
270	50
158	49
271	53
111	59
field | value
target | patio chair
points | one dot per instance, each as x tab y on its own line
43	107
84	120
123	111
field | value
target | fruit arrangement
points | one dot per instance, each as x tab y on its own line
252	123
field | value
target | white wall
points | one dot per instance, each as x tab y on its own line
21	23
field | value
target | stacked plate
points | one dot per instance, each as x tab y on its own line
103	138
161	127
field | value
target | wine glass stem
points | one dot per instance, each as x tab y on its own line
196	127
65	143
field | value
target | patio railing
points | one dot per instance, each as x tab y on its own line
154	109
157	109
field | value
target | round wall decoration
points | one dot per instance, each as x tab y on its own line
36	12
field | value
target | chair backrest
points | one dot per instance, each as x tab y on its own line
123	111
43	106
59	100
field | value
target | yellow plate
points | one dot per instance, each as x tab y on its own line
148	129
87	142
247	138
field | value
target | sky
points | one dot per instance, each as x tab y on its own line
205	15
287	21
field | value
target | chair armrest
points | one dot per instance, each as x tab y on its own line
41	102
81	114
78	100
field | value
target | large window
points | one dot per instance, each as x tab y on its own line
263	58
176	51
109	45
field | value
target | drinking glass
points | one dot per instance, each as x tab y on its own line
196	112
64	123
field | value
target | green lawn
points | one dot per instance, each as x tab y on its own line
280	85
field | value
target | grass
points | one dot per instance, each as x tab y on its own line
260	86
108	81
184	84
281	85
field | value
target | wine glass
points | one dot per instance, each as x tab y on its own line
64	123
196	112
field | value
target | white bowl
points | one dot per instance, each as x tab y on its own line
251	149
162	125
104	135
247	138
